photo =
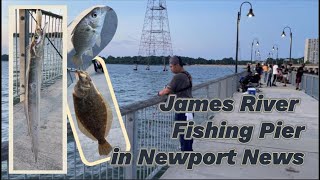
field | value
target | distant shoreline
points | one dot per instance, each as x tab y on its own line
214	65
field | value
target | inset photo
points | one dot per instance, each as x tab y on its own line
94	115
93	110
37	90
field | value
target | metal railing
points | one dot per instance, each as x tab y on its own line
309	83
147	128
24	27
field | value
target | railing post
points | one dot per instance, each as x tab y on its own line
131	171
208	97
219	90
311	88
23	42
305	83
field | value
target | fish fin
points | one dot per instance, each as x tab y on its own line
85	131
98	43
89	52
109	111
44	31
110	118
26	108
77	60
104	148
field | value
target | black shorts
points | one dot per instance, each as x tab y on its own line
298	79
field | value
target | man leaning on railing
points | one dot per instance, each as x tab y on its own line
181	85
299	76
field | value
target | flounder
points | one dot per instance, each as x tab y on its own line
94	116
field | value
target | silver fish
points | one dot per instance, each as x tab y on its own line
87	33
33	83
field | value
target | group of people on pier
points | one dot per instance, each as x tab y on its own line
270	74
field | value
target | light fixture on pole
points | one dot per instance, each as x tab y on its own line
275	47
270	56
256	53
283	35
257	43
250	14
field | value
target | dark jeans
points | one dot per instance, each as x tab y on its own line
186	145
269	80
274	78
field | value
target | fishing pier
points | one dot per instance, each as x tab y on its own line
147	127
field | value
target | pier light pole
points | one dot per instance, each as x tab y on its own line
257	43
283	35
256	53
271	56
250	14
275	47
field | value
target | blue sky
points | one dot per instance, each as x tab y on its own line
203	28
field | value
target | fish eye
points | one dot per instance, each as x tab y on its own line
94	15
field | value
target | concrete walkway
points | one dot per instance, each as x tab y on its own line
305	114
50	134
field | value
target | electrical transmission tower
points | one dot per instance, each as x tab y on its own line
155	38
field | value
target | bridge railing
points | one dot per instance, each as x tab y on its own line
148	127
309	83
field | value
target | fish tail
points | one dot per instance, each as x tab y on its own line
77	60
34	148
104	147
27	117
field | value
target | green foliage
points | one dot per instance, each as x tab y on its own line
158	60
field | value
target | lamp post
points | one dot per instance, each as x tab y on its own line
250	14
283	35
314	52
257	41
255	55
271	56
273	48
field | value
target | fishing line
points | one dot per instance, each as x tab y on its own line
46	35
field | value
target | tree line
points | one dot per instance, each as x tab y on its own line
158	60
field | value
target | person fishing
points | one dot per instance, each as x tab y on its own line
181	86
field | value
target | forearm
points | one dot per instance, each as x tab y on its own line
163	92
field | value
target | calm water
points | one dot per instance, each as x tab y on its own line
131	86
4	100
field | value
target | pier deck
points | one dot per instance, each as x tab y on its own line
305	114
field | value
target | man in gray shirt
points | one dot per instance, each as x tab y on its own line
181	85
